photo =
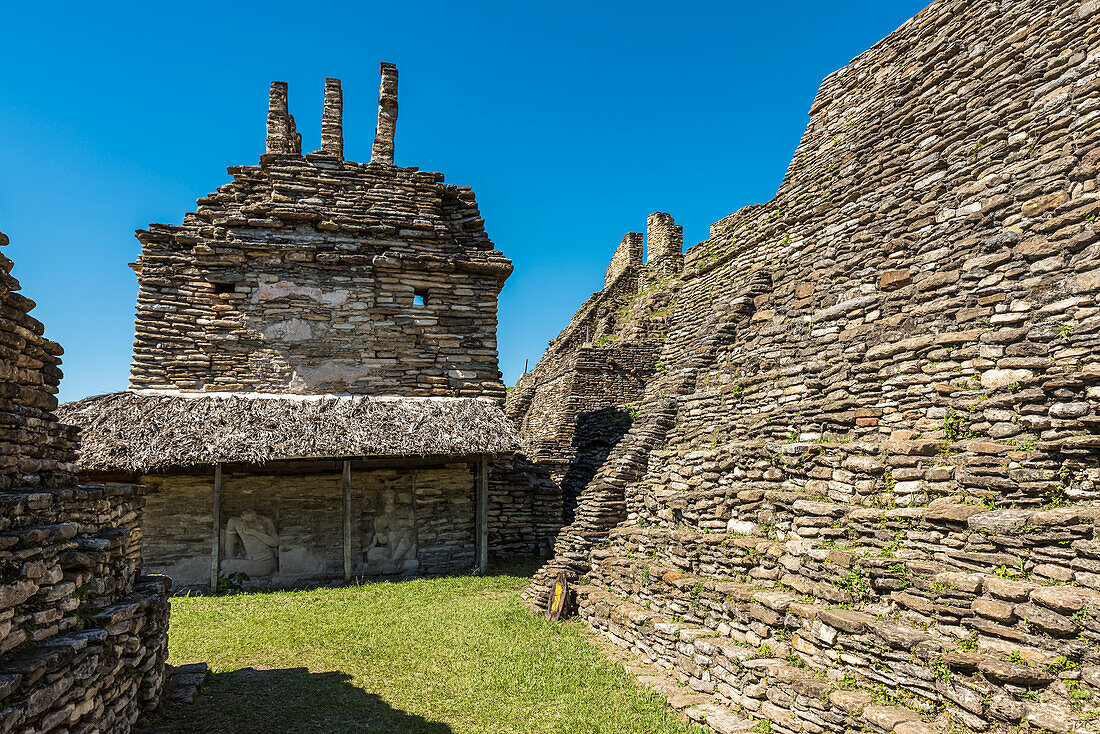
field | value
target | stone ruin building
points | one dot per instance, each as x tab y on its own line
855	484
577	403
82	634
315	391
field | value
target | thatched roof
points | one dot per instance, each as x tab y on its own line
143	432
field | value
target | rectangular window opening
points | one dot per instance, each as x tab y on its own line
223	287
420	298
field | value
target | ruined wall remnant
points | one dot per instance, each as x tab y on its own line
282	137
82	636
665	242
382	151
314	274
332	120
863	491
627	255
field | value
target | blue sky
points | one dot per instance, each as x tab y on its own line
572	122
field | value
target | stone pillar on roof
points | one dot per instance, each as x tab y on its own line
382	152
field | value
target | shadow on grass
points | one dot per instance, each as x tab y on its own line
290	701
523	566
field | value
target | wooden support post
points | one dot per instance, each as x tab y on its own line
482	515
347	521
216	545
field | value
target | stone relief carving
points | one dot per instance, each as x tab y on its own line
392	548
250	545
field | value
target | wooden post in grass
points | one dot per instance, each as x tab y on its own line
347	521
482	515
216	545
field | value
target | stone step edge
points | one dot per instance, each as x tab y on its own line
855	703
708	711
781	600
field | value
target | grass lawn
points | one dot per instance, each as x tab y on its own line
456	654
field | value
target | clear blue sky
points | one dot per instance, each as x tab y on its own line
572	122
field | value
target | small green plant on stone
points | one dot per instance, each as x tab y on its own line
848	682
857	583
941	670
1056	497
1073	688
697	592
952	426
762	727
969	643
1027	443
1060	663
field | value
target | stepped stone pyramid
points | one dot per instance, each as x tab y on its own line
861	488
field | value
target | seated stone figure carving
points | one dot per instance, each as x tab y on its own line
393	546
256	534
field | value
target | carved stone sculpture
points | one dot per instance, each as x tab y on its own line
257	537
393	546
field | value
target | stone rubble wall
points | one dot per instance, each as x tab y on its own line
83	637
313	274
35	450
876	506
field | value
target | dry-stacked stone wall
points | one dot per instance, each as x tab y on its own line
876	505
83	637
314	274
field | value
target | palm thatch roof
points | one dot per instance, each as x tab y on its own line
144	431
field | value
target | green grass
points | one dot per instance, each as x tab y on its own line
455	654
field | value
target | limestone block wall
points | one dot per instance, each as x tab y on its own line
874	505
83	637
